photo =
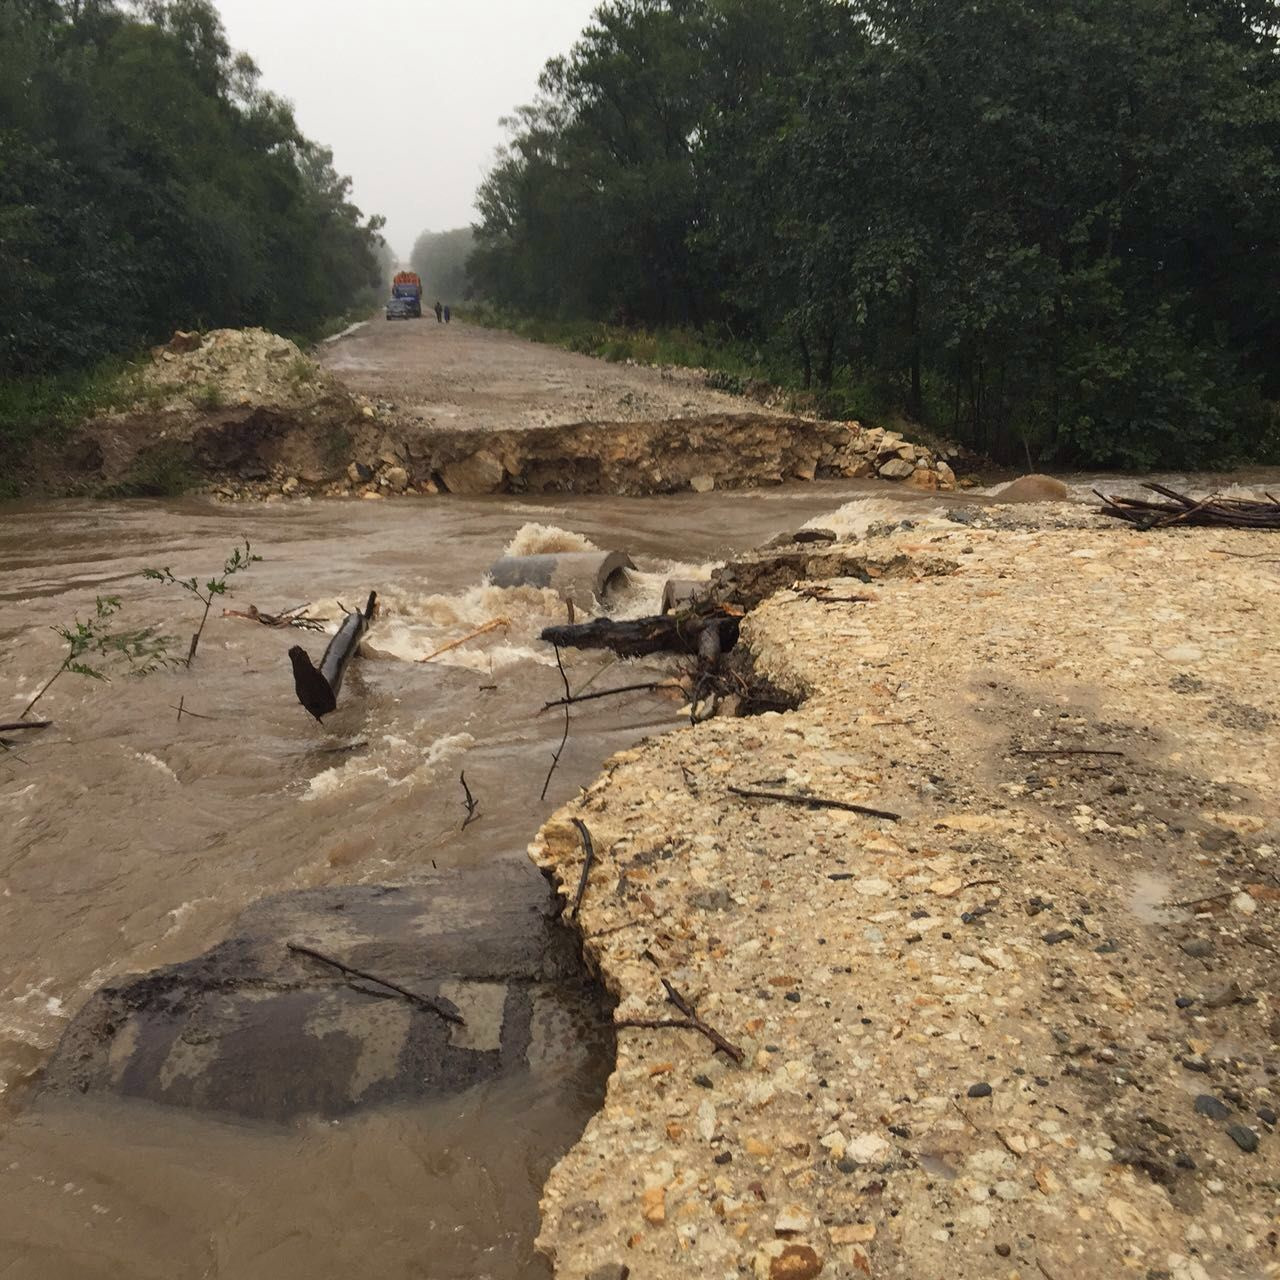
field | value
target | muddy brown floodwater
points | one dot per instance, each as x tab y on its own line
134	841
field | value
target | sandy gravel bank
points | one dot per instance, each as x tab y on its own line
982	1040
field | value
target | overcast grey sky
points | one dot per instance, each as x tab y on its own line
408	93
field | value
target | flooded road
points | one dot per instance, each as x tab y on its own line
134	840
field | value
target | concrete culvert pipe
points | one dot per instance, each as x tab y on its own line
684	593
583	577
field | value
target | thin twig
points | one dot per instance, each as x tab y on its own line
1066	751
182	710
447	1014
690	1022
815	802
568	693
26	724
710	1032
589	857
495	625
574	699
473	808
1197	902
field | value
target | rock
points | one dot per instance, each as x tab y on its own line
982	1090
702	483
1244	1138
1207	1105
609	1271
1198	948
654	1206
791	1220
796	1262
857	469
1034	488
368	412
358	473
946	477
290	486
396	479
1057	936
897	469
923	478
855	1233
866	1148
480	473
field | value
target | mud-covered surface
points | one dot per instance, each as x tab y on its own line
1028	1029
258	1028
461	375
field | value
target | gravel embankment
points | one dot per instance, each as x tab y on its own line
1030	1029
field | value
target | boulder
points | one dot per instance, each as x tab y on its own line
396	479
480	473
924	478
702	483
358	473
946	477
897	469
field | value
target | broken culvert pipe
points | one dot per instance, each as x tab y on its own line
318	687
582	577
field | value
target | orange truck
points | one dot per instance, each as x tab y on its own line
408	287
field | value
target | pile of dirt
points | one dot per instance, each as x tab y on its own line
240	407
233	367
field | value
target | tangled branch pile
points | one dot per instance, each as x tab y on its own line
1213	511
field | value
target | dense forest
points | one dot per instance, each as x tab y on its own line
440	258
1040	226
148	182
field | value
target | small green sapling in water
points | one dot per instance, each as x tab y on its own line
237	562
94	639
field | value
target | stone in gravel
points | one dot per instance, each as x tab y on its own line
1266	1115
1185	1002
703	1082
1244	1138
980	1090
796	1262
1196	1062
1058	935
855	1233
725	1157
1198	948
791	1220
1215	1109
654	1205
610	1271
867	1147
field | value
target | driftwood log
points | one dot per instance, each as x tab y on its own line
318	687
1177	508
706	630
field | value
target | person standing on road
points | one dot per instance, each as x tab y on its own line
439	312
447	315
